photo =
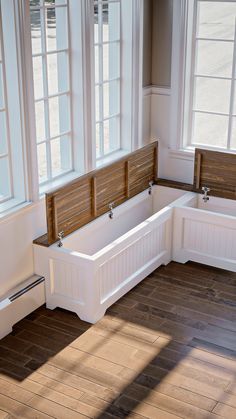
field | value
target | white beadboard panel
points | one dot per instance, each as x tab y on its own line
122	266
209	239
65	279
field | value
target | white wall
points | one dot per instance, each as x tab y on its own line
173	165
16	235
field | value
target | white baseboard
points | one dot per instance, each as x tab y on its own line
21	301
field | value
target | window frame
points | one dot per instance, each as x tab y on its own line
183	79
14	103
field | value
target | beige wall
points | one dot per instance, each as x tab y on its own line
161	42
147	43
157	40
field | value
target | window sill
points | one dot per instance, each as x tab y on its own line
13	207
182	154
111	157
57	183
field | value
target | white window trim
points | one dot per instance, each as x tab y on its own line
179	145
178	61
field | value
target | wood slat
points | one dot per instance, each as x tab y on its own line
88	197
217	171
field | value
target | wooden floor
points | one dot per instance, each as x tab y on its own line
165	350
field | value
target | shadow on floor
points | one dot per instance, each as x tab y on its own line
176	310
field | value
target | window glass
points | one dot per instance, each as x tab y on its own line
212	59
107	76
50	48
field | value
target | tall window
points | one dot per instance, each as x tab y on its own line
107	50
210	102
6	191
13	188
50	48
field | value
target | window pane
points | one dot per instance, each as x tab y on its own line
42	162
114	128
216	19
3	133
97	74
114	92
1	89
111	135
111	98
36	38
98	133
111	61
38	77
59	115
210	129
95	24
105	31
40	121
35	2
61	155
233	134
234	107
106	134
212	95
214	58
5	187
106	100
55	2
97	95
57	73
114	21
56	28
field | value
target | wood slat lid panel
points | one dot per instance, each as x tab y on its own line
87	197
217	171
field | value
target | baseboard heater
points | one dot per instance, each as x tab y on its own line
21	301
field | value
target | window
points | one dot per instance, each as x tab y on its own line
6	191
50	49
12	162
210	101
107	50
70	91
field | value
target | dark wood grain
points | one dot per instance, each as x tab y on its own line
88	197
217	171
174	184
159	352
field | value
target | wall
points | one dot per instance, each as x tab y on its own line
160	97
147	42
17	233
161	42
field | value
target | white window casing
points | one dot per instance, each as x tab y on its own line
203	75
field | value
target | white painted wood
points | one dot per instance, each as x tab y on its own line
12	312
87	276
206	232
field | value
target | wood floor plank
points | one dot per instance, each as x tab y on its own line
20	410
225	411
3	415
165	350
